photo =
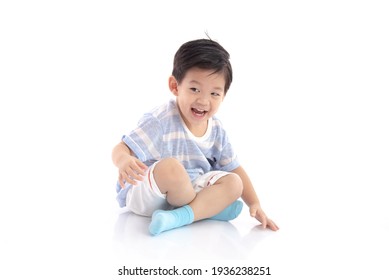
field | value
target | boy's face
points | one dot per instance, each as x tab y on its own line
199	96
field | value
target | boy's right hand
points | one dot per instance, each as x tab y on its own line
131	170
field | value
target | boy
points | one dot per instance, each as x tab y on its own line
178	165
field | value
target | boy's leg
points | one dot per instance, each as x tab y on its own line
209	202
163	220
173	181
230	212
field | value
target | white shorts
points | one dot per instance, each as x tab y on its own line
144	198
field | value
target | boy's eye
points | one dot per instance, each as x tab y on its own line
194	90
215	94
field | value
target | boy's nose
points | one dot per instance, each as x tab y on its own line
203	100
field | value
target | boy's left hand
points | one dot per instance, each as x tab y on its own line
257	212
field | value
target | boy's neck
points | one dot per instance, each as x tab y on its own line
199	130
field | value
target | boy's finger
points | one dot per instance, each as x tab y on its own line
121	183
128	178
140	168
137	175
273	226
131	181
142	165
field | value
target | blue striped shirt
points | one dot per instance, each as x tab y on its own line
162	133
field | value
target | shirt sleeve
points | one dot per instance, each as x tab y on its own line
146	140
228	159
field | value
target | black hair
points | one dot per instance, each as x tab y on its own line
204	54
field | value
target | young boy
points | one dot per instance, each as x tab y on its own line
178	166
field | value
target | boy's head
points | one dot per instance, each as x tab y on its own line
204	54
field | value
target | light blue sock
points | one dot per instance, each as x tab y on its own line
231	212
166	220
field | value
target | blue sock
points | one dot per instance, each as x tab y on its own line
166	220
231	212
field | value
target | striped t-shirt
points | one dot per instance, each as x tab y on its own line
162	133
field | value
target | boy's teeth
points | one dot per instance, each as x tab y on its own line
198	111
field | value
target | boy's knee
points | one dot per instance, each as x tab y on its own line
169	169
234	184
169	166
173	180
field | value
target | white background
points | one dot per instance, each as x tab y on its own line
307	113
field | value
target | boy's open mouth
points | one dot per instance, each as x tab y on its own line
199	112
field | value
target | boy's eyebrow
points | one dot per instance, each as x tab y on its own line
194	82
198	83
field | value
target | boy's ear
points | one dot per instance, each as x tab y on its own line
173	85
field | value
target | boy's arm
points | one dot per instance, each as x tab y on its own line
250	197
130	168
